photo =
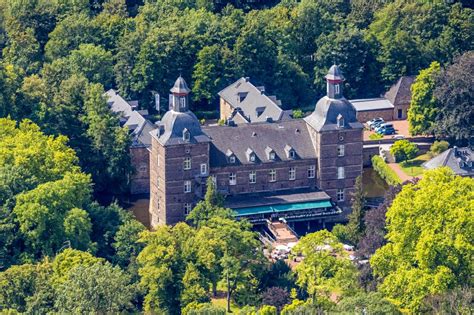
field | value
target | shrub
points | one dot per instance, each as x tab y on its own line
275	296
375	136
384	171
404	150
221	122
195	308
298	113
438	147
340	231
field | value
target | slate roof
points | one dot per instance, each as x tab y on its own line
362	105
253	98
400	92
335	74
460	160
257	137
324	117
138	126
274	198
118	105
180	86
172	126
140	129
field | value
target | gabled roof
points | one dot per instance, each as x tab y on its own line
118	105
138	126
456	159
257	137
244	95
400	92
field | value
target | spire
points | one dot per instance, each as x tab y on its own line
179	97
334	80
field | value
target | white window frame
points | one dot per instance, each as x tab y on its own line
187	163
232	179
272	156
340	195
187	186
203	169
182	102
312	171
272	176
253	177
292	173
340	150
292	154
341	172
232	159
188	207
337	88
252	157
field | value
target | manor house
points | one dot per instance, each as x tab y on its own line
299	170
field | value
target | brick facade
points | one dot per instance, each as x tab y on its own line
140	179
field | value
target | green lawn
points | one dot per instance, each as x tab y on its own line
413	167
223	303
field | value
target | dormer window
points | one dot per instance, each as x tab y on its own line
230	156
232	159
290	152
271	155
186	135
340	121
251	156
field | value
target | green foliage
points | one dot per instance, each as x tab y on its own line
454	95
438	147
375	136
47	213
423	109
370	303
98	288
298	113
384	171
355	227
404	150
325	267
202	309
69	259
429	239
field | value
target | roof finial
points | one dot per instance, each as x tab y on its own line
334	57
180	71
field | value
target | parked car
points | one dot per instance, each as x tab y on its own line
375	120
386	131
377	124
384	125
398	137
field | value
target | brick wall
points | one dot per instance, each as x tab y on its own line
386	114
140	179
263	183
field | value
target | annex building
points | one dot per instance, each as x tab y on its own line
300	170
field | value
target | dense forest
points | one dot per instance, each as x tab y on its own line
61	148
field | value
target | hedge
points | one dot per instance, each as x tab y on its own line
385	171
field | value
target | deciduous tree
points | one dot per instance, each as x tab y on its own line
429	239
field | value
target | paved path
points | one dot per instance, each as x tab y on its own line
404	177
